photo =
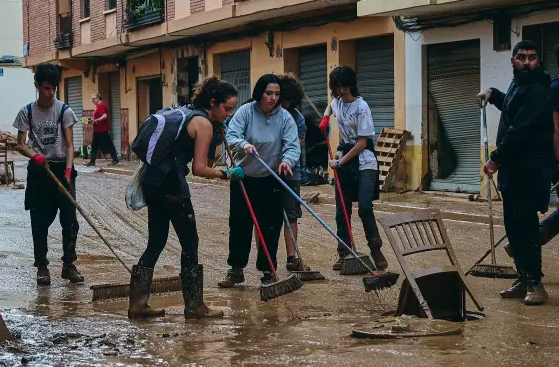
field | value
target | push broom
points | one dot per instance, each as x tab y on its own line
278	287
109	291
350	265
492	270
380	281
304	273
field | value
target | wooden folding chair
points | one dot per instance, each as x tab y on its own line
420	231
8	163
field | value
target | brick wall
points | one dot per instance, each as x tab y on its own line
97	7
76	16
197	6
42	29
170	12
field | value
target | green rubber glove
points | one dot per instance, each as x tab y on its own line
236	173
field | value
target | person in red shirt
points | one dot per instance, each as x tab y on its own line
101	124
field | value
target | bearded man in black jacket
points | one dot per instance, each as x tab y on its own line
525	160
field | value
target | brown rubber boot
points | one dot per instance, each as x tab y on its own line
193	293
518	290
140	290
536	295
234	276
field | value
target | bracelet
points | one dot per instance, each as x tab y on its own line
338	163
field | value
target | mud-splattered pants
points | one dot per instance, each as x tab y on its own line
163	208
44	200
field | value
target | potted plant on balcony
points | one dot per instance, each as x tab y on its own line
63	41
143	12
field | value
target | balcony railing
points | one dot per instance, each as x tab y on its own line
63	41
143	13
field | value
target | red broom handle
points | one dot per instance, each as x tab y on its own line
339	188
249	205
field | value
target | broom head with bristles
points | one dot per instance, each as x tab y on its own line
380	281
494	271
308	275
352	266
280	287
111	291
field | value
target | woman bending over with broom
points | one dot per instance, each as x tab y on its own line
264	128
357	164
168	197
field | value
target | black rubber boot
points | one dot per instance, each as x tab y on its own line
43	275
234	276
193	293
373	238
70	272
140	290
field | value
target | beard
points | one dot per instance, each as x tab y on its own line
525	75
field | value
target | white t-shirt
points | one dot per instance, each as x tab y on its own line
45	125
355	121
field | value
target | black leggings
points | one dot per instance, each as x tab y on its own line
178	210
365	189
265	196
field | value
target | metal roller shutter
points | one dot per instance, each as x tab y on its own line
453	82
114	105
313	69
550	40
235	69
75	101
375	80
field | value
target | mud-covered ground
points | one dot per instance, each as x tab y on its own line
60	326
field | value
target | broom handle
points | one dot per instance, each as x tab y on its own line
286	221
312	212
341	196
489	199
84	214
336	178
249	205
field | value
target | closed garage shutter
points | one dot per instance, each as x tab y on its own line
374	66
453	82
114	105
313	69
75	101
235	69
550	40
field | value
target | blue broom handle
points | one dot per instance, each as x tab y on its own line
312	212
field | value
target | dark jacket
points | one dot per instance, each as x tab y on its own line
525	138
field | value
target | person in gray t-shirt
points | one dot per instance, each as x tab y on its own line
49	123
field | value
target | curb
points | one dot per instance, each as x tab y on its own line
329	199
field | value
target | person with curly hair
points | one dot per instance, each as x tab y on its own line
356	161
168	197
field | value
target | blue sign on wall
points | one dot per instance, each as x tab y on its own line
1	72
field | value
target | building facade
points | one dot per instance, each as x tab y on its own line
143	55
16	82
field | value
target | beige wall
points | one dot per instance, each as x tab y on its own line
85	32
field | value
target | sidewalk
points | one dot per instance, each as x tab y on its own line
452	205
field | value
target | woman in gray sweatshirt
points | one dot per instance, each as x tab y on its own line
264	128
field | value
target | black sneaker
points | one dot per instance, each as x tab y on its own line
267	278
294	264
70	272
43	275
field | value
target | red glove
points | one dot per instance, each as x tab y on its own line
324	123
39	159
68	174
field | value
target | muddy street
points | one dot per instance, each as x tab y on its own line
60	326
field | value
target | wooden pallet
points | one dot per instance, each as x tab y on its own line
389	147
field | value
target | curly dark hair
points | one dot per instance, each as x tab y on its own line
47	73
212	88
291	89
343	76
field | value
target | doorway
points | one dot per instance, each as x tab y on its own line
187	77
149	97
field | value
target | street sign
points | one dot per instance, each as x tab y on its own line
1	72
